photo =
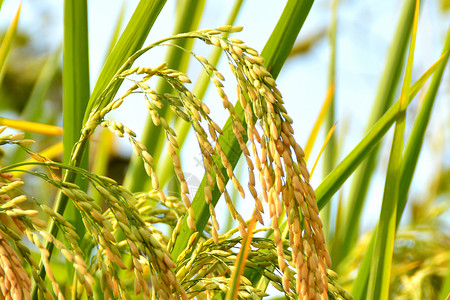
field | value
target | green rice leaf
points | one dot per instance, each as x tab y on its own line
117	29
41	87
76	94
385	95
415	142
380	270
409	162
330	153
7	41
76	89
75	72
347	166
38	94
282	39
359	290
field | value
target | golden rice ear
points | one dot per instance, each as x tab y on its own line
283	177
122	233
12	273
194	268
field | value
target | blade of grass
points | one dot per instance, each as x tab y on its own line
76	89
331	151
241	261
385	95
7	42
38	96
75	98
347	166
412	150
31	126
282	39
189	14
75	72
325	143
41	87
380	271
275	54
188	17
338	221
359	290
319	121
116	33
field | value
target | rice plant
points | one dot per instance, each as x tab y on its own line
84	235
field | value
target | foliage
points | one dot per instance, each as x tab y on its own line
104	238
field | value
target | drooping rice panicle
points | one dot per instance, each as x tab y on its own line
283	178
275	157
